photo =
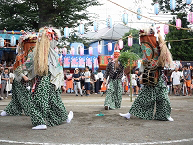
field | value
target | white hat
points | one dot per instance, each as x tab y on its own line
76	68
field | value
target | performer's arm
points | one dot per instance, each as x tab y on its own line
107	73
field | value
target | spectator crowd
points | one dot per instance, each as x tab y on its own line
86	82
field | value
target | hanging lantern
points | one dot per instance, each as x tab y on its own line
99	48
110	45
1	42
156	8
125	18
166	29
64	51
90	50
95	26
66	32
81	51
72	50
139	14
130	41
188	2
81	28
120	44
190	17
13	41
109	22
178	24
172	5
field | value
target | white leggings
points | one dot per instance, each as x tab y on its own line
77	86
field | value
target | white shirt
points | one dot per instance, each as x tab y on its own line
100	76
11	75
87	74
133	80
96	77
176	77
123	78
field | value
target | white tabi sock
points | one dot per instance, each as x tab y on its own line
127	116
70	116
40	127
3	113
170	119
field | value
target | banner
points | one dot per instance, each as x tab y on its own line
95	62
81	62
89	62
74	61
66	61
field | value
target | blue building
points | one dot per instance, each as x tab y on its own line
104	36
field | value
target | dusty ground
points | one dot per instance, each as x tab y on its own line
87	128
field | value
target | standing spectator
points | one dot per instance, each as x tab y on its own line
101	78
87	80
92	80
4	79
124	83
187	79
76	79
134	83
65	79
96	82
11	76
176	76
69	82
82	79
138	87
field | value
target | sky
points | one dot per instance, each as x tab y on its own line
110	9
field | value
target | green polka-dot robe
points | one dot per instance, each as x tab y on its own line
149	98
46	106
114	90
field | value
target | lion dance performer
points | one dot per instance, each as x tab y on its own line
23	71
114	72
46	104
156	57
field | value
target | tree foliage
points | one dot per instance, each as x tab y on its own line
181	50
33	14
135	47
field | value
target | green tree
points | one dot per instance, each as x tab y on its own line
33	14
127	58
181	50
135	47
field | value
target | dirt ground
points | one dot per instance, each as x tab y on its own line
87	128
